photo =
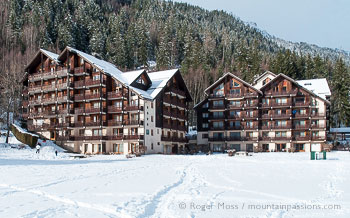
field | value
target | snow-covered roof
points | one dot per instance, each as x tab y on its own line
318	86
50	55
237	78
263	75
159	80
131	76
340	130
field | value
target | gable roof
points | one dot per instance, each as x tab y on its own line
262	75
158	79
234	76
131	76
297	84
50	55
318	86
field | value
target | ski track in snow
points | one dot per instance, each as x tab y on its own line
67	201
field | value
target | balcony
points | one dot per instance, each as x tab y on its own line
114	123
65	138
281	116
79	71
318	126
86	138
79	110
317	115
49	113
301	104
251	105
95	96
306	126
131	108
92	83
48	75
301	138
234	106
94	110
217	128
178	92
115	137
133	122
305	115
115	95
173	139
250	94
216	107
79	84
47	88
48	100
64	125
62	99
133	137
234	95
282	93
63	86
115	109
98	123
167	125
281	104
212	117
65	111
234	138
253	127
281	138
234	127
62	73
250	138
288	126
265	138
34	77
217	139
318	138
216	96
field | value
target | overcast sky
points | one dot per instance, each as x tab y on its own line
322	22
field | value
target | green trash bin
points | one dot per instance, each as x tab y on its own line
313	155
324	155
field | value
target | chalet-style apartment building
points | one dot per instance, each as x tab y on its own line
87	105
276	113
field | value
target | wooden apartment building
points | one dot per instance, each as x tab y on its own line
87	105
277	113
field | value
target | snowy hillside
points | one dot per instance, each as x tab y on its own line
174	186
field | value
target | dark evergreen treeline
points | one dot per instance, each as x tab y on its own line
130	33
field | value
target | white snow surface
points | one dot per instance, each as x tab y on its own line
172	186
318	86
51	55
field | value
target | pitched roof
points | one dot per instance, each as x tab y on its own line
318	86
262	75
296	83
50	55
131	76
159	79
234	76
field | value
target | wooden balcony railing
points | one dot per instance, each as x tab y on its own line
98	123
133	137
131	108
91	82
94	110
301	138
113	108
234	127
115	137
301	104
216	139
306	126
282	93
62	73
115	95
178	91
114	123
216	96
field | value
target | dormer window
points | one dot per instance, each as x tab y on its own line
140	81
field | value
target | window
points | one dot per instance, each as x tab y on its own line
118	148
218	114
96	77
151	132
219	91
205	136
281	100
235	135
96	132
205	115
152	146
96	105
281	134
218	135
235	103
151	118
234	84
235	91
218	124
147	131
151	104
218	103
118	104
140	80
118	131
81	132
206	105
281	123
205	125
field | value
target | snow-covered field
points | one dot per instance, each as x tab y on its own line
43	185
